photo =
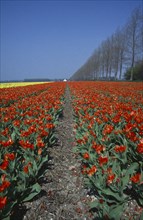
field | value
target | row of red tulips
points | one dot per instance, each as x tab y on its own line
13	94
109	137
27	130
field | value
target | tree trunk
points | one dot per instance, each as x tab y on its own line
132	74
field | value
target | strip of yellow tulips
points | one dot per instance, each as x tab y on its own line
15	84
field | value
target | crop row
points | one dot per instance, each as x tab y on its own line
109	139
12	94
27	130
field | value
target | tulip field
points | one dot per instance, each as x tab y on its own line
109	136
108	127
28	117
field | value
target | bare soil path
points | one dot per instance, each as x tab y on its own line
63	195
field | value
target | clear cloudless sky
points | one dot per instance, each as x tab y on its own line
52	39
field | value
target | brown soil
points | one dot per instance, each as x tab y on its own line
63	195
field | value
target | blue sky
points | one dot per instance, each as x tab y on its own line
52	39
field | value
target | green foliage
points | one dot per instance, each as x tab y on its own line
137	72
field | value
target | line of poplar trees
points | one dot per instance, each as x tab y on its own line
119	52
